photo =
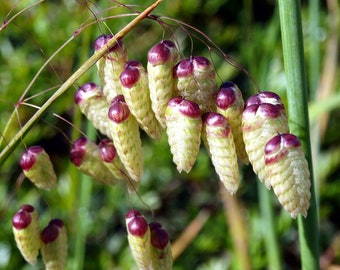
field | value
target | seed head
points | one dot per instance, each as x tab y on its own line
38	168
26	232
184	125
288	169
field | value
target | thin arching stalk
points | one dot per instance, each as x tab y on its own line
292	41
72	79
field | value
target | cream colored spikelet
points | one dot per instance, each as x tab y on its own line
288	169
218	138
139	239
230	103
126	137
92	103
161	60
135	88
184	126
27	233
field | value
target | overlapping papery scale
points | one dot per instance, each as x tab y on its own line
184	125
92	103
218	138
161	60
230	103
126	137
195	80
289	173
135	88
261	122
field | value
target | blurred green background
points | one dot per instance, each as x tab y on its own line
226	232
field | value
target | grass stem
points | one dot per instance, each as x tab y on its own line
293	54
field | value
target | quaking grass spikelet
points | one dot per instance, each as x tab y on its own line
161	255
195	80
184	126
85	155
38	168
26	232
230	103
161	60
135	88
54	245
108	154
261	122
126	137
139	239
97	44
112	67
288	169
92	103
218	138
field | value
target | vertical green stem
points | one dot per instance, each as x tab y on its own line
293	53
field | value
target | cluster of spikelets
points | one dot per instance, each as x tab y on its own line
149	242
181	96
51	241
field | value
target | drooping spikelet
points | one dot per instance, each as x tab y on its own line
261	122
98	44
92	103
218	138
184	126
38	168
230	104
54	245
135	88
113	66
195	80
26	232
108	154
161	256
139	239
126	137
161	60
289	173
85	155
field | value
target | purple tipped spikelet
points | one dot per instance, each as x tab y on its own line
195	80
26	232
218	139
135	88
139	238
260	122
111	67
161	61
184	126
161	256
54	245
109	156
230	104
289	173
92	103
126	137
38	168
85	155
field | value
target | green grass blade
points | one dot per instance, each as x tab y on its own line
293	53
